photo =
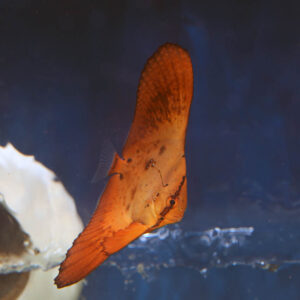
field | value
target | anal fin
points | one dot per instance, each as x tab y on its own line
92	247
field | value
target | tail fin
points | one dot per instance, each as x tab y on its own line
93	246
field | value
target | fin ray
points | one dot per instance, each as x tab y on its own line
90	249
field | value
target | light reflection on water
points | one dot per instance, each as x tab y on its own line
172	247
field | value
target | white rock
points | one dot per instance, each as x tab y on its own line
47	213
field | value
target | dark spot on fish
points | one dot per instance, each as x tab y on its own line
138	151
147	205
179	188
129	160
183	155
149	163
127	207
162	150
121	176
172	202
157	194
165	210
133	192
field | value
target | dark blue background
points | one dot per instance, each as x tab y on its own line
68	77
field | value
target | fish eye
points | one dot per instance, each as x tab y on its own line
172	202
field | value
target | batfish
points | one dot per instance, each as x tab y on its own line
147	187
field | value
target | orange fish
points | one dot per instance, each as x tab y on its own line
147	189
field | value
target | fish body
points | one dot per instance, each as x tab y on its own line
148	187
